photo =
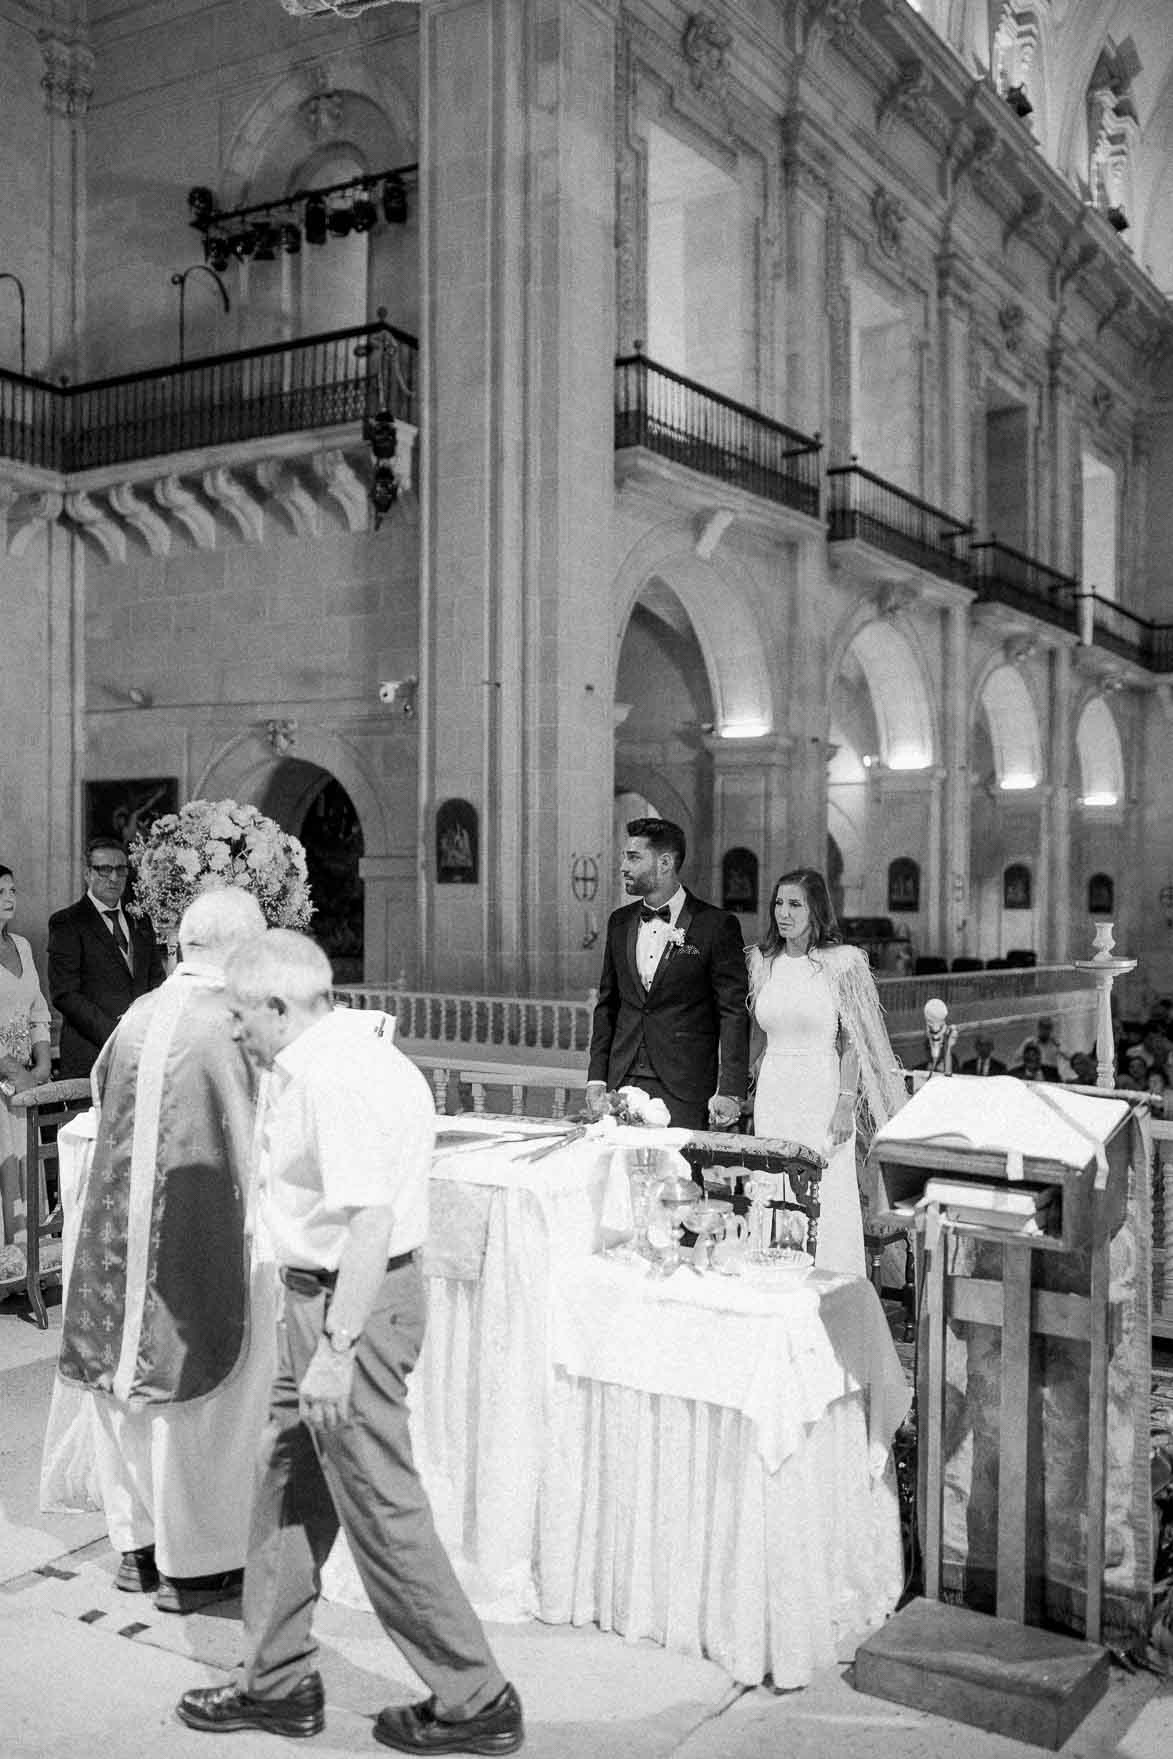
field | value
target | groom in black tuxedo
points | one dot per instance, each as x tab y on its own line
671	1015
100	959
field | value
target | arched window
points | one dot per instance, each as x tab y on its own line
1017	889
903	885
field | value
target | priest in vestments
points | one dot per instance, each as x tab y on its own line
169	1314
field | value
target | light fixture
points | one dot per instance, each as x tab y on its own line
179	279
201	204
339	220
1117	219
908	760
1102	799
1018	782
363	212
290	236
315	220
1018	101
218	252
266	244
394	201
244	242
379	427
744	729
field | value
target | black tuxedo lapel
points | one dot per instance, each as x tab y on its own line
630	939
671	950
98	927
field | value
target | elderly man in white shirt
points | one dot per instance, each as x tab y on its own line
350	1133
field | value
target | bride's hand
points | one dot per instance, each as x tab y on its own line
842	1120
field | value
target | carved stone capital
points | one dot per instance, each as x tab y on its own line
67	81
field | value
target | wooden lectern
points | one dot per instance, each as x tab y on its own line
1016	1190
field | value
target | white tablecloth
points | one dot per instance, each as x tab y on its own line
718	1475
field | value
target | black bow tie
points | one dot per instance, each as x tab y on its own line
647	914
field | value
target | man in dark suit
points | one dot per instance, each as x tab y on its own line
100	960
671	1017
1032	1066
984	1062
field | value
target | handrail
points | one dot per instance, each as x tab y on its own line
218	399
863	505
706	431
1147	643
1012	577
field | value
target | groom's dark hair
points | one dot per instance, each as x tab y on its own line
661	835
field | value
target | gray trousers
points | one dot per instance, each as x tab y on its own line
360	1476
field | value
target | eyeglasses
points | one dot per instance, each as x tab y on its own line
98	867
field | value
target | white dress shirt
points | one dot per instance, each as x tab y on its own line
652	938
351	1125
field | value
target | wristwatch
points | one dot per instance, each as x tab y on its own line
341	1341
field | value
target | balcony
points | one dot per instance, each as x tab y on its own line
676	419
1110	626
1007	577
863	508
316	382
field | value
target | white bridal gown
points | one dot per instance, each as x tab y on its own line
798	1089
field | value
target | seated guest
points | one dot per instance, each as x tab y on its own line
1134	1076
100	959
158	1312
24	1063
1032	1066
1157	1084
983	1062
1051	1052
1083	1068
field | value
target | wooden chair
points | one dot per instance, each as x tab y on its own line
46	1109
710	1153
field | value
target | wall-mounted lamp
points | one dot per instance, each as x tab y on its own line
140	698
179	279
1104	798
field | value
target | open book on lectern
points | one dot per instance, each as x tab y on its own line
999	1114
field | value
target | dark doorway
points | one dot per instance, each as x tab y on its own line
309	802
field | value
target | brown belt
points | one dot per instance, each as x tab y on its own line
313	1282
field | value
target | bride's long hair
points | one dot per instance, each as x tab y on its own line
825	930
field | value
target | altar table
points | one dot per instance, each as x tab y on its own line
718	1474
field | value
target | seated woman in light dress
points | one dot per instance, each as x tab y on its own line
826	1048
24	1062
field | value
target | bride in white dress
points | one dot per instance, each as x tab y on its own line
816	1003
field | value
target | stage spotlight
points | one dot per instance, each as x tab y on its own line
290	238
218	253
244	242
363	212
266	244
201	205
394	201
340	221
315	219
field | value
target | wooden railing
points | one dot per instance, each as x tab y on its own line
1009	577
865	507
679	419
284	387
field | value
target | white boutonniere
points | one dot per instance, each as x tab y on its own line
674	936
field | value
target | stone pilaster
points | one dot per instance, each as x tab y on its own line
955	786
752	780
1055	846
517	241
955	464
67	83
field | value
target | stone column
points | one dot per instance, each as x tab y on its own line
1055	850
955	465
752	780
1060	535
68	86
804	316
955	785
517	488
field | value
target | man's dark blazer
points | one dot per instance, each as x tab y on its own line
993	1067
693	1020
89	983
1045	1074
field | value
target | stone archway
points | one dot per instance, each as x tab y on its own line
313	806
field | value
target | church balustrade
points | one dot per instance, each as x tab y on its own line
1009	577
680	420
865	508
312	382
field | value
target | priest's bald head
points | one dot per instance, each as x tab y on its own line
216	922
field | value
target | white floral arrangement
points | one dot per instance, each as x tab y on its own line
631	1105
212	843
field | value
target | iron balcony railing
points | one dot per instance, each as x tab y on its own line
1012	578
1122	632
678	419
285	387
864	506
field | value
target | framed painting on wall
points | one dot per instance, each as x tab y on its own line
127	809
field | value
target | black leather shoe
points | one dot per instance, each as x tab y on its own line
136	1572
497	1728
220	1710
190	1593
